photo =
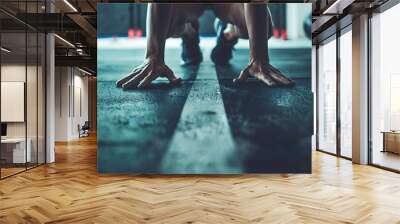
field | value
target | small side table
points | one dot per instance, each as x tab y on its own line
391	141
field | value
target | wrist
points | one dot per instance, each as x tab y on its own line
154	58
258	60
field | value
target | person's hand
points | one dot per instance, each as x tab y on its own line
144	74
265	73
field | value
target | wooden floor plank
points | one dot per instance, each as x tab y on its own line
71	191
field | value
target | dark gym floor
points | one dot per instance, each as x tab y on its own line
207	124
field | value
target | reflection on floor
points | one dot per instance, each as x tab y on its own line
386	159
12	169
71	191
262	129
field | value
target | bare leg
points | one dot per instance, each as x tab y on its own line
160	24
252	21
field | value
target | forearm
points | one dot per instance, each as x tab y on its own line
257	25
158	25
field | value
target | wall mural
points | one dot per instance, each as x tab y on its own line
204	88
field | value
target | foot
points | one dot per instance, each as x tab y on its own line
191	53
266	73
143	75
222	52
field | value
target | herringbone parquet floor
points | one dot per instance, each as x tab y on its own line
70	191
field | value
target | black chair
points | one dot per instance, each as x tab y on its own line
84	130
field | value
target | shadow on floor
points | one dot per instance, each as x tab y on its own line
136	127
272	127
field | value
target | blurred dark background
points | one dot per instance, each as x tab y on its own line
125	19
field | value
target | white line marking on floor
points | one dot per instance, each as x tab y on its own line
202	142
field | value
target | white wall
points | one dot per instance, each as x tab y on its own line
62	81
70	83
81	84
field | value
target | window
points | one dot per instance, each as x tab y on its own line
327	96
346	93
385	89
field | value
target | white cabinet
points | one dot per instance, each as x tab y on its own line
19	155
